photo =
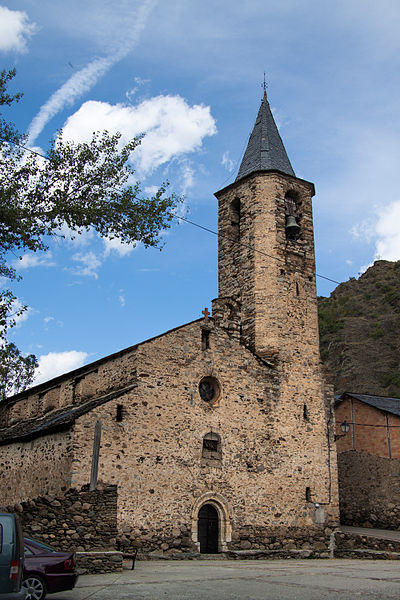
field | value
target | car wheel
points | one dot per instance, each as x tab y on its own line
35	586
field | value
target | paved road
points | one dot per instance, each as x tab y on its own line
384	534
245	580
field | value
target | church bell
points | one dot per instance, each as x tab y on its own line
292	227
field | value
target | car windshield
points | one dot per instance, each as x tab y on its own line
43	546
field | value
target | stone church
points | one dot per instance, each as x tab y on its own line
218	434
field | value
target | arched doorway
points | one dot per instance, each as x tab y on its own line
208	527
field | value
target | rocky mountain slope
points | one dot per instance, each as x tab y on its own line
360	332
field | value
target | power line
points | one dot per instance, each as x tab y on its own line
187	220
245	245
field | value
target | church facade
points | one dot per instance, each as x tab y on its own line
218	434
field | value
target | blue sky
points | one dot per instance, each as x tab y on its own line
190	74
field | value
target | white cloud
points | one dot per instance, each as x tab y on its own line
149	270
15	30
81	237
17	314
115	245
172	127
381	229
22	317
122	300
151	190
82	81
227	162
56	363
387	233
90	264
29	260
48	319
187	176
139	82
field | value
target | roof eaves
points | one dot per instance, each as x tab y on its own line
52	383
61	420
253	173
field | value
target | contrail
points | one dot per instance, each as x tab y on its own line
82	81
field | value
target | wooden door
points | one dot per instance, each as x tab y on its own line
208	529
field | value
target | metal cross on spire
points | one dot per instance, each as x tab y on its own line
265	85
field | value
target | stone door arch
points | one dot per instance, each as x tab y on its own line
208	529
217	503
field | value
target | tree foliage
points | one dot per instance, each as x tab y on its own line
16	371
73	187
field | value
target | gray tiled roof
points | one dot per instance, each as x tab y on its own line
265	150
390	405
59	420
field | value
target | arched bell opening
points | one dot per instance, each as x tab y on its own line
292	220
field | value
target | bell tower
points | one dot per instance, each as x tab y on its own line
266	250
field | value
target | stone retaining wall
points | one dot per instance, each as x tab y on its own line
311	541
80	520
99	562
314	540
369	490
351	541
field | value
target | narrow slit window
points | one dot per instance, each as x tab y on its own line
297	289
305	412
205	339
308	494
235	218
120	413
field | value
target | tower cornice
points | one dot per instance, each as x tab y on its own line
254	174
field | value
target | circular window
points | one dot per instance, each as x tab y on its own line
209	389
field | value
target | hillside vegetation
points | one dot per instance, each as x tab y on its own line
360	332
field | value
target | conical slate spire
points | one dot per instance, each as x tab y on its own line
265	150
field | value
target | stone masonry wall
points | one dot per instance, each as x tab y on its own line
80	520
271	277
91	381
369	490
38	467
269	457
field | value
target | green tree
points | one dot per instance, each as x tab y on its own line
83	186
16	371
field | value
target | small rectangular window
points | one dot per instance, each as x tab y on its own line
120	410
305	412
205	339
211	445
308	494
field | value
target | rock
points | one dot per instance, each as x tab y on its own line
77	519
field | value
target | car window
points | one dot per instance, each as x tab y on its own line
27	551
41	545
